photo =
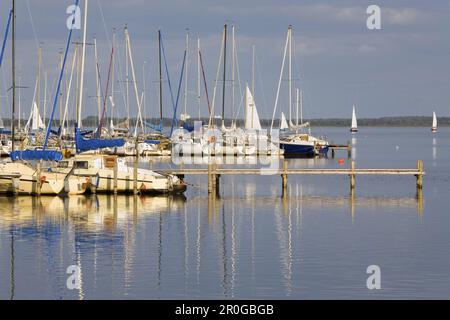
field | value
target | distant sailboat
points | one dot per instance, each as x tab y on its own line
434	125
354	127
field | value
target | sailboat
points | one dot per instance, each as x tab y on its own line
434	124
293	142
354	127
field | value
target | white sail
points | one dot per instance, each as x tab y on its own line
284	124
251	113
354	121
434	125
34	121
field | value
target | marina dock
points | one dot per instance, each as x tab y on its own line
214	173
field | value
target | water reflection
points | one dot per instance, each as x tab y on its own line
354	148
434	152
119	240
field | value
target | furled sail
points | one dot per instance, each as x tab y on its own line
83	144
46	155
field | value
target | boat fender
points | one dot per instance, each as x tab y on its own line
42	179
341	161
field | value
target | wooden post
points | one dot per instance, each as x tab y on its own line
115	176
213	180
284	177
209	179
15	185
38	178
349	150
419	176
135	173
352	175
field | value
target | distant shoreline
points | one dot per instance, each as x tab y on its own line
404	121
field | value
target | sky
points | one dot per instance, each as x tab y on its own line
402	69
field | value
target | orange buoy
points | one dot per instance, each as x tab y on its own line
341	161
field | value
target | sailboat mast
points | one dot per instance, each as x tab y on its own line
127	79
112	77
233	67
290	75
38	93
45	99
186	73
198	77
60	93
13	74
297	100
224	73
83	57
97	77
253	70
301	107
160	78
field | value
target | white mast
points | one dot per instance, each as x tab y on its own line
279	82
297	104
290	74
138	101
83	56
233	67
198	77
185	117
97	78
127	80
45	98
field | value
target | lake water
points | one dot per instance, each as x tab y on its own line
316	242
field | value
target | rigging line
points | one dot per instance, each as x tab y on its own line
32	25
167	73
55	102
260	80
6	37
240	88
105	99
174	119
104	22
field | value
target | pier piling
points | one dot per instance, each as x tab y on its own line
419	176
38	178
115	176
284	177
352	175
135	169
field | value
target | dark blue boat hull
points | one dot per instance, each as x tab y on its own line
302	151
293	150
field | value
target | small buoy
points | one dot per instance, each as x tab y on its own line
341	161
397	147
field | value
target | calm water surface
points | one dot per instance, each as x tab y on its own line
250	243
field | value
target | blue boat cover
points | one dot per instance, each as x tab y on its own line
153	141
83	144
188	127
47	155
154	126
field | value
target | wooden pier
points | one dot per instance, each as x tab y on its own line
336	147
214	173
